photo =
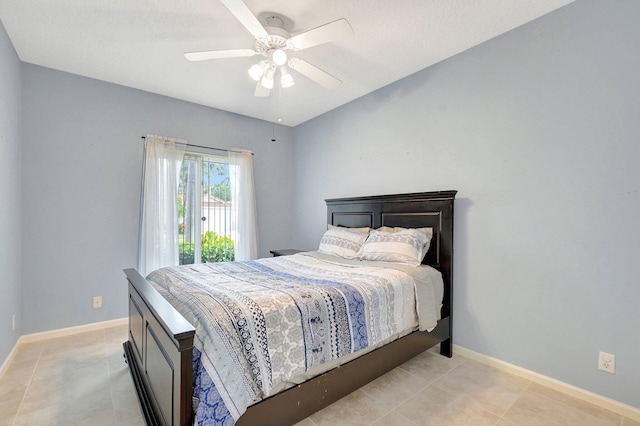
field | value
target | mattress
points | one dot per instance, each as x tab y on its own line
264	325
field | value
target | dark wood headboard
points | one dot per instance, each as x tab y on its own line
416	210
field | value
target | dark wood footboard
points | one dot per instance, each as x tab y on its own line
159	353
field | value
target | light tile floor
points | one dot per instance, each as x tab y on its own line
83	380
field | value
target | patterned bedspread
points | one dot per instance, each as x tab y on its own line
260	323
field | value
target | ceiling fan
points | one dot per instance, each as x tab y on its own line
273	42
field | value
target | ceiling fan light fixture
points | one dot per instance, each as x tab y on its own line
279	57
286	79
267	80
257	70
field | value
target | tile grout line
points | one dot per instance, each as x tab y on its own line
113	404
428	384
549	398
389	410
524	390
26	389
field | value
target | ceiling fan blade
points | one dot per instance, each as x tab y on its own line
261	91
220	54
329	32
314	73
246	18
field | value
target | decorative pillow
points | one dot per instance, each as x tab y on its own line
407	246
342	242
428	230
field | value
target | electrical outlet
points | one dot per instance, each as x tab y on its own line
97	302
607	362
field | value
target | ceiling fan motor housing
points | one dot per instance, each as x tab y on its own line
277	40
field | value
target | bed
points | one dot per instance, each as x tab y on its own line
160	348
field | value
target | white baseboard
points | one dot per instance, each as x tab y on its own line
69	331
574	391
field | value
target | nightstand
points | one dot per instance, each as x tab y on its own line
285	252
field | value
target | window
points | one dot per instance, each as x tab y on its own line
195	207
205	208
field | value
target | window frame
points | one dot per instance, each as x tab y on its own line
198	158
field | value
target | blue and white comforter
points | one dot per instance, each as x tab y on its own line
260	323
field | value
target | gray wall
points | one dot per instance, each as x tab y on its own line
10	194
81	184
538	130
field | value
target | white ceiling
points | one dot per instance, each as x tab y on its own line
140	44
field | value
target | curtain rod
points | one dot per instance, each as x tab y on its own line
206	147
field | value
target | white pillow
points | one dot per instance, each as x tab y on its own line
407	246
428	230
342	242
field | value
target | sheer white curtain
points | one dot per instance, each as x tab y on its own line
244	201
158	240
